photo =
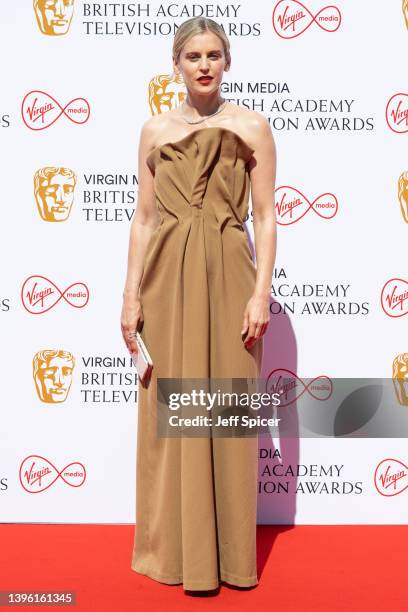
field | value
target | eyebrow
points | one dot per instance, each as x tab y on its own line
213	51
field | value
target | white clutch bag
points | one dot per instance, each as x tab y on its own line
142	360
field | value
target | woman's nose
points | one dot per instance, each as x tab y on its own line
204	63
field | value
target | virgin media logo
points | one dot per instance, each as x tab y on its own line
391	477
39	110
37	474
291	205
39	294
291	18
396	113
394	297
290	387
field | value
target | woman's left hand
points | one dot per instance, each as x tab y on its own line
256	319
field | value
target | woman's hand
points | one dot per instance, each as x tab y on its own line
131	320
256	319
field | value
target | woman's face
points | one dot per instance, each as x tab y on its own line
202	63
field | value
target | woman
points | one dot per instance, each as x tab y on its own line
202	308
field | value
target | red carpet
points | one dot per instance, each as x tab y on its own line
301	568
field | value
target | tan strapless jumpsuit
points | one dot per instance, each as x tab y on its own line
196	501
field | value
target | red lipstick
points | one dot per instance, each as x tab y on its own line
205	79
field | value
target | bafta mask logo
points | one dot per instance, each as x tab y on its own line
400	378
54	192
403	193
405	11
166	92
52	373
54	16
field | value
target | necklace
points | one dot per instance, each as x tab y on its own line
220	108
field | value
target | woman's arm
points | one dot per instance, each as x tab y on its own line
262	168
145	220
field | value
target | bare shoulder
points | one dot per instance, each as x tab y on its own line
154	128
253	126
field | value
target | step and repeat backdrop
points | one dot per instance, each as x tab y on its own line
78	80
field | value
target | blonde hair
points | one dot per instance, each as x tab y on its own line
199	25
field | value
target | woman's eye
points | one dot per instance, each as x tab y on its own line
211	56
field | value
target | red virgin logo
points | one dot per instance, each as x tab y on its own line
39	294
291	205
394	297
391	477
290	18
290	387
37	474
39	110
396	113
